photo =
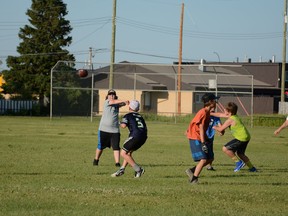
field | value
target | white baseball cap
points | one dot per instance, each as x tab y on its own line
134	105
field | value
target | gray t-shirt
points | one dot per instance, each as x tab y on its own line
110	119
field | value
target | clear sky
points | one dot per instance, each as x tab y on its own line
148	30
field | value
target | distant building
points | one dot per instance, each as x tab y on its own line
156	85
161	89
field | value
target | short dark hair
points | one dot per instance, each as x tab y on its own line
111	92
208	97
232	108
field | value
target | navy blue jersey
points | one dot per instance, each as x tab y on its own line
136	124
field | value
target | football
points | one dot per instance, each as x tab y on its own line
82	73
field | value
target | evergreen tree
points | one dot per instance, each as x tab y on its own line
43	44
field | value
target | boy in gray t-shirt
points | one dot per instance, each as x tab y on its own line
108	132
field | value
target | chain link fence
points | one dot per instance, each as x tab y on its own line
157	87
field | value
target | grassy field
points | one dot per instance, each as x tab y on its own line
46	169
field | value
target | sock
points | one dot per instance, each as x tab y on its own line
136	168
249	164
194	177
235	159
193	169
122	167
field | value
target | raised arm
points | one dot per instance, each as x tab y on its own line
119	103
226	124
219	115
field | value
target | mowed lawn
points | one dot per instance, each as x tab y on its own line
46	169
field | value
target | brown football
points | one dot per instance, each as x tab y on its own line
82	73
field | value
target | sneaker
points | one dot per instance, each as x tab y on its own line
240	164
211	168
117	165
140	173
95	162
195	181
119	172
253	169
189	173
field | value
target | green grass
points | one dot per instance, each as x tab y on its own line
46	169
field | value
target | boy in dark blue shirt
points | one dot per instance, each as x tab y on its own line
210	132
137	137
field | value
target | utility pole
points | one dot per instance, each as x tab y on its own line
283	77
111	76
180	60
90	58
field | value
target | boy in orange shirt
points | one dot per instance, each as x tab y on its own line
202	151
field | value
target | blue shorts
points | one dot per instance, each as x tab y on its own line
196	150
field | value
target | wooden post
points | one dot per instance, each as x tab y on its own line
180	61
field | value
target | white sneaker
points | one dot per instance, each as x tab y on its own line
118	173
140	173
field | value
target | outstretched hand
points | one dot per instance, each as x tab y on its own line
276	132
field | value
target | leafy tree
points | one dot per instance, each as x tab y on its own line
42	45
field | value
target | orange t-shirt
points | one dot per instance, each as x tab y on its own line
201	117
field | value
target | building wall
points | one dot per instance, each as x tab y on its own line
162	103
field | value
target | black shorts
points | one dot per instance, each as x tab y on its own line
133	143
106	140
237	146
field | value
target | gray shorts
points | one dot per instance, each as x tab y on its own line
237	146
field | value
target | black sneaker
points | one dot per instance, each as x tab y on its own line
194	181
95	162
211	168
140	173
117	165
253	169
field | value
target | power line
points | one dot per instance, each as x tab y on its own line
156	28
195	34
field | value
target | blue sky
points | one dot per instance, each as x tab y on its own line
148	30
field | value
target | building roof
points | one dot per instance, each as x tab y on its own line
193	76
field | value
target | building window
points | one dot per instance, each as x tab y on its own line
198	98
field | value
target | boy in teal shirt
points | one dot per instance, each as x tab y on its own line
236	148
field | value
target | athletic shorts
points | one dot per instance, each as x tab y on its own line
197	152
237	146
133	143
106	140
